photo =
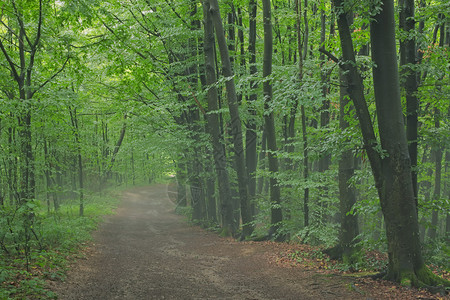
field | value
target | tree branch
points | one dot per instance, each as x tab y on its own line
22	26
38	34
330	56
9	28
176	13
10	62
52	77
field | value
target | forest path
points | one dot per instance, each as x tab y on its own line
145	251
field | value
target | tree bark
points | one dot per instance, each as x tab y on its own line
74	119
250	134
275	195
236	125
302	56
437	151
447	191
347	196
116	148
305	168
181	183
220	163
390	164
406	264
409	82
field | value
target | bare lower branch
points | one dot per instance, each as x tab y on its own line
52	77
329	55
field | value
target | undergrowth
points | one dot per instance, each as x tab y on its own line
25	265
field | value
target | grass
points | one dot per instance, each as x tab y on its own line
59	237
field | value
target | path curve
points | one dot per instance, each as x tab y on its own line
145	251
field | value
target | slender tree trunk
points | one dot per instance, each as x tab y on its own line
250	134
302	56
210	186
213	125
305	168
236	125
47	175
347	196
409	82
275	195
432	232
262	162
74	119
181	183
396	193
447	191
426	187
116	150
325	160
197	184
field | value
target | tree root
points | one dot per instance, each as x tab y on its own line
422	279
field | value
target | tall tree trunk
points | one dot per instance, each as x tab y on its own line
47	175
27	183
74	119
447	191
437	149
213	125
409	82
391	164
305	168
181	183
397	198
250	134
262	162
302	56
236	125
347	196
426	187
197	184
325	160
210	185
108	169
275	195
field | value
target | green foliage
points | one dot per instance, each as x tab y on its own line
437	253
58	236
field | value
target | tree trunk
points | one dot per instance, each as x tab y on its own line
305	168
409	82
347	196
116	149
275	195
236	125
426	187
250	134
447	191
432	232
196	182
390	164
47	175
262	162
181	183
220	163
325	160
74	119
302	56
406	264
210	189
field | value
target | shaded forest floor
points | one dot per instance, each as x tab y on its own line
145	251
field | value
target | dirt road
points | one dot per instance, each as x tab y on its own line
145	251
